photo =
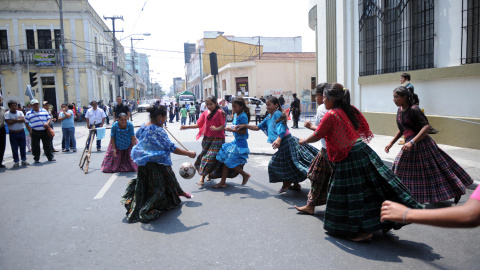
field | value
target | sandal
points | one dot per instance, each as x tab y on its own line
283	189
187	195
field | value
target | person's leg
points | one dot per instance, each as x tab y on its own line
14	145
22	143
285	187
3	141
63	140
66	139
35	145
29	142
73	141
244	174
47	145
222	183
99	142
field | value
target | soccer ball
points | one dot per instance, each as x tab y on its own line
187	170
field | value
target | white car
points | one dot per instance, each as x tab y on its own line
252	104
143	106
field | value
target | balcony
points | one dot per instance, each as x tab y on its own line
100	60
42	57
6	57
110	66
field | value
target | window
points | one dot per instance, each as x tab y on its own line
396	35
30	39
3	40
44	39
471	50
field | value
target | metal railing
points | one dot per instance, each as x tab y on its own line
6	57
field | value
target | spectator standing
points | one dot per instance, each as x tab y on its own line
38	119
192	111
95	117
184	112
68	127
130	107
172	112
203	106
281	100
46	106
120	108
16	124
197	108
258	114
295	110
106	109
177	112
3	132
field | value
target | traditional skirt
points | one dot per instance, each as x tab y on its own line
232	156
291	162
430	174
122	163
359	185
153	191
207	160
319	174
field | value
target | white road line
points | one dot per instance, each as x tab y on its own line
105	187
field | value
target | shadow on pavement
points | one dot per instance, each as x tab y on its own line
169	223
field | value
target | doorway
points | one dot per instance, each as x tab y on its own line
50	93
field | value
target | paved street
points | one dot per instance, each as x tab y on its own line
56	217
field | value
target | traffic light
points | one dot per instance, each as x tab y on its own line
33	79
120	83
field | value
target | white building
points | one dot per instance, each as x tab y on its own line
366	45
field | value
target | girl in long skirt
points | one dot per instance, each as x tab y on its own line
430	174
211	125
234	155
117	158
155	189
291	162
320	168
361	181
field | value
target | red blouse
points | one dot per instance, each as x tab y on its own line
340	134
204	124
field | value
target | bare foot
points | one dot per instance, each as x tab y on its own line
306	209
187	195
220	185
207	178
361	237
284	189
201	183
245	179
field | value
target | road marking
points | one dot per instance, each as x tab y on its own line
105	187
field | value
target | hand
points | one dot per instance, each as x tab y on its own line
114	152
301	141
241	126
191	154
213	128
229	129
45	125
407	146
183	127
307	124
392	211
387	148
276	143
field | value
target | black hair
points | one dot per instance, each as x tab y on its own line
10	102
183	106
412	99
406	76
70	106
122	114
64	104
275	101
91	102
217	107
341	98
156	111
119	97
241	102
294	94
319	89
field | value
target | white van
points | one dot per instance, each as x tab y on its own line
185	99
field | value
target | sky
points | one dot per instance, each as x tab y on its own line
172	23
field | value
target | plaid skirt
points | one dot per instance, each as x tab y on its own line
430	174
291	162
122	163
154	191
319	174
359	185
232	156
207	160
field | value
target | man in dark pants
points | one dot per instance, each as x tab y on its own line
3	132
281	100
39	119
295	110
177	112
120	108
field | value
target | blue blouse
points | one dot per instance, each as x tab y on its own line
153	146
123	137
272	129
240	139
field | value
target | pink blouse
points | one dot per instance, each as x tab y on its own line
476	194
204	124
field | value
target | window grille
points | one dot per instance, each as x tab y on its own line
470	27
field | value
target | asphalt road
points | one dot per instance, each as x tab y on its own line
56	217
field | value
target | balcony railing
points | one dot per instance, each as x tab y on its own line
101	61
42	57
6	57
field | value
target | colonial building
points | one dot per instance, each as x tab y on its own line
30	51
367	45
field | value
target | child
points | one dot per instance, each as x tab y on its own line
234	155
211	125
430	174
258	116
291	162
361	181
184	112
320	169
156	188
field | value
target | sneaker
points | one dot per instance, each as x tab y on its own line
37	161
52	159
16	165
24	163
98	149
74	150
54	150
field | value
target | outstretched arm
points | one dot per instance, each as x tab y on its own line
182	152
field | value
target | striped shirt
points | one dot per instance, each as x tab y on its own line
37	119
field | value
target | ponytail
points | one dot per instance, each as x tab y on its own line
412	98
283	117
341	98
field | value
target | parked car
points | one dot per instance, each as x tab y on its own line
251	103
143	105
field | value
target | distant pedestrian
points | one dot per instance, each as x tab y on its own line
95	118
120	108
177	112
38	119
184	113
16	124
68	128
48	108
192	112
258	114
3	132
281	100
172	112
203	106
428	172
295	110
197	108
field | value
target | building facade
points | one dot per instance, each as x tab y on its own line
367	45
30	38
142	70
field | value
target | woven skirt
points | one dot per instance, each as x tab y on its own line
319	174
232	156
291	162
154	191
122	163
358	186
430	174
207	160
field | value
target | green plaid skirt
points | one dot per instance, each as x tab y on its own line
207	160
359	185
153	191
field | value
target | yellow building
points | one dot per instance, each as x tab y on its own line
30	43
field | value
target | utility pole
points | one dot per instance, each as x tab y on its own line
134	73
201	72
117	88
62	55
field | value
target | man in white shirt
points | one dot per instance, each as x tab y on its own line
16	124
95	117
